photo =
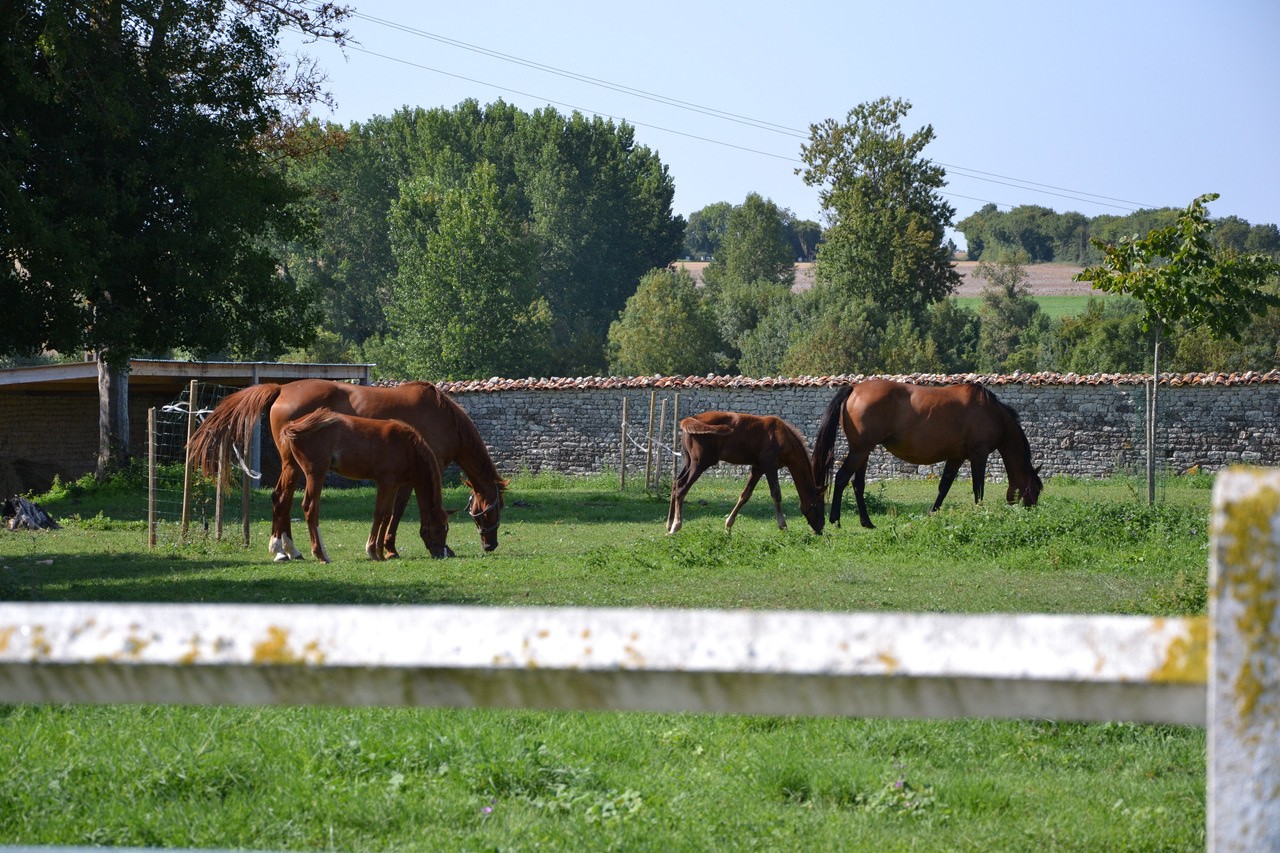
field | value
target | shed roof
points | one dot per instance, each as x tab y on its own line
172	375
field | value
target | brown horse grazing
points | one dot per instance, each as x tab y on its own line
390	452
763	442
441	422
923	425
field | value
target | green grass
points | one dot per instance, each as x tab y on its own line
1056	307
410	779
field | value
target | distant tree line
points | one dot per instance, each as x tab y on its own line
1043	235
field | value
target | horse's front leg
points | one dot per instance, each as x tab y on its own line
383	512
843	473
949	471
775	492
978	467
400	500
281	543
746	495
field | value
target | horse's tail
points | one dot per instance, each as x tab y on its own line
694	426
310	422
229	421
824	444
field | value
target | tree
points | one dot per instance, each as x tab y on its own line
465	303
1008	311
347	264
1183	280
754	247
888	238
596	205
804	235
665	328
137	203
705	230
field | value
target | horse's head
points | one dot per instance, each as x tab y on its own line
1028	492
815	510
434	534
486	512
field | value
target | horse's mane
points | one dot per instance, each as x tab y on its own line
797	436
1018	432
424	451
465	427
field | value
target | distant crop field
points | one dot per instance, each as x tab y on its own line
1056	307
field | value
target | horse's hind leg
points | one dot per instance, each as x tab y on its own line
281	544
684	481
949	471
311	509
746	496
843	473
860	488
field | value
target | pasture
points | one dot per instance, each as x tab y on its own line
314	778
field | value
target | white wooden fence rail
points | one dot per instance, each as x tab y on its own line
1223	672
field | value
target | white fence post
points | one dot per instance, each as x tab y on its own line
1243	789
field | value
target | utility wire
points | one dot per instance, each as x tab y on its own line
759	124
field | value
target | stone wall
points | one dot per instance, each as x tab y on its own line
1077	426
46	434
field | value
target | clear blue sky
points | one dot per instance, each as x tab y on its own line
1098	107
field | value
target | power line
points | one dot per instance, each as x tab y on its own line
759	124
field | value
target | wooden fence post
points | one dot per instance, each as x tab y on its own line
151	478
648	444
186	476
1243	789
675	438
622	460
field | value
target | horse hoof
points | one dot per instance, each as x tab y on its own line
281	558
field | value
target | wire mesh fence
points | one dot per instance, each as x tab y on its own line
183	504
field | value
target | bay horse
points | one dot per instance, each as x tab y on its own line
762	441
441	422
923	425
389	452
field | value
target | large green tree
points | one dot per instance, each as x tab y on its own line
1183	279
347	264
755	246
887	239
465	302
137	203
666	328
596	205
1009	314
705	229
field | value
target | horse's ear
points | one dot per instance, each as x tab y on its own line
467	483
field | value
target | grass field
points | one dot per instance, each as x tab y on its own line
408	779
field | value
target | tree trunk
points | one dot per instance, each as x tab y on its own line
113	417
